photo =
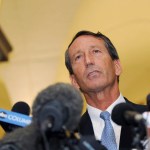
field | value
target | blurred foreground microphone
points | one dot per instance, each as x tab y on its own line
123	114
56	114
17	117
146	115
148	102
89	143
27	138
57	111
58	107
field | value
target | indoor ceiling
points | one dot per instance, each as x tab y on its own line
40	30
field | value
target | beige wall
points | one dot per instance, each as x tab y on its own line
4	96
4	101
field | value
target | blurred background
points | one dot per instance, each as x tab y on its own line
34	35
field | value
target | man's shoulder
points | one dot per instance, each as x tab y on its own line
138	107
85	117
85	125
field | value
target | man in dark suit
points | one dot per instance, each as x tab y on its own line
126	135
94	67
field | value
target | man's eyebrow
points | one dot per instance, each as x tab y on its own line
78	51
94	46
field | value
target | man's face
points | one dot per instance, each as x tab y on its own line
92	65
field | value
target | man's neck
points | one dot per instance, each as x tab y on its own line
101	100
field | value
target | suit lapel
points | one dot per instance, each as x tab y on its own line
85	125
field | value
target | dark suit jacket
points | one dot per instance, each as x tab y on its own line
85	127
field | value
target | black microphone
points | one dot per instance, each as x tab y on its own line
90	143
27	138
148	102
55	108
57	111
19	107
30	138
124	114
58	107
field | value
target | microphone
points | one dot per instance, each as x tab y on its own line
148	102
124	114
27	138
146	115
17	117
58	107
89	143
21	107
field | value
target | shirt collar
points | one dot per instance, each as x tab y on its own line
94	112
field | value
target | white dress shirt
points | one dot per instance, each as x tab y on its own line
98	123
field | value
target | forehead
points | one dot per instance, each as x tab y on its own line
86	40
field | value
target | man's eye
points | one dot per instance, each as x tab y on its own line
77	57
96	51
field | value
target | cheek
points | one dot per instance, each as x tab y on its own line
109	68
78	69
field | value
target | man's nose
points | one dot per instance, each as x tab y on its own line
89	59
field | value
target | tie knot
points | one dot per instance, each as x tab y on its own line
105	115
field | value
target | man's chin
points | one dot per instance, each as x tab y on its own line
94	87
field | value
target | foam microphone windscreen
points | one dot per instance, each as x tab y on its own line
59	105
27	138
148	102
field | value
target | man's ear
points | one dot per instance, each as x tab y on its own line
118	68
74	81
